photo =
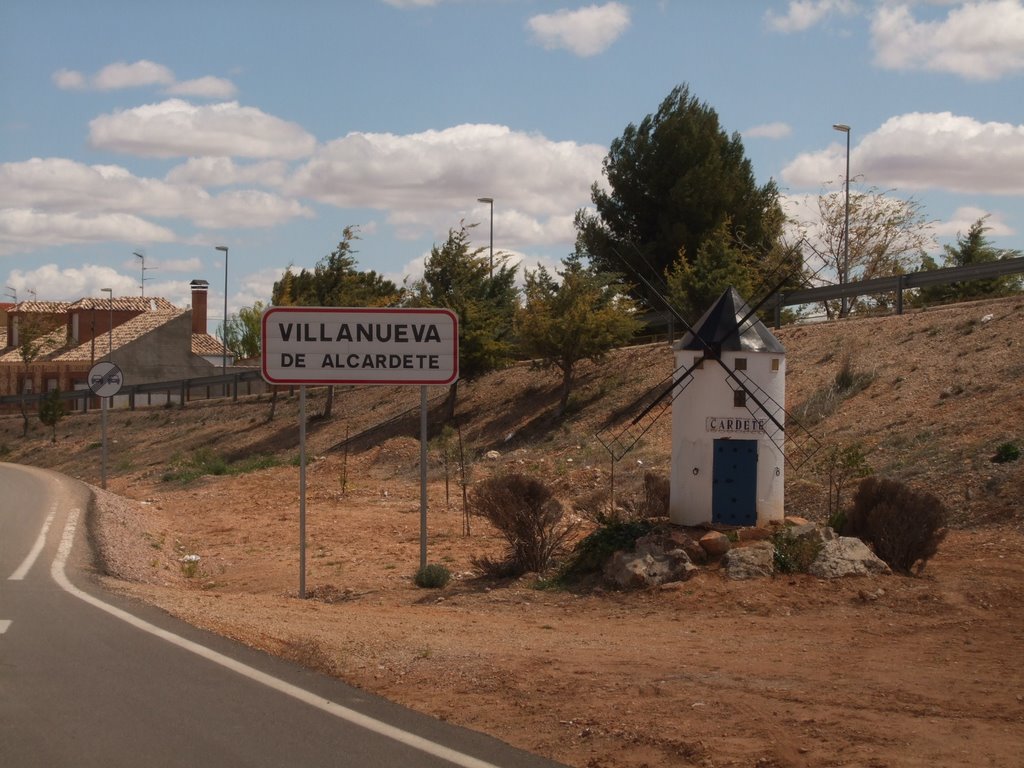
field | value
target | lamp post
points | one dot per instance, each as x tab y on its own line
843	128
224	327
103	401
490	202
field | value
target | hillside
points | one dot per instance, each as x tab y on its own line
941	390
786	672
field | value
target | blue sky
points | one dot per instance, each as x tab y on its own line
167	129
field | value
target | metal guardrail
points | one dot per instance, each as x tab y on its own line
178	391
896	284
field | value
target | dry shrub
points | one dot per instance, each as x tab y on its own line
903	526
529	517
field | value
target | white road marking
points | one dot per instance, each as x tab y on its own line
30	559
325	705
4	624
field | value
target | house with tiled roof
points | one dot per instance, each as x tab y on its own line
150	340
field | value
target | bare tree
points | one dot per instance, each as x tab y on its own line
887	237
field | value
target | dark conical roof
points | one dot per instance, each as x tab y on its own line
718	329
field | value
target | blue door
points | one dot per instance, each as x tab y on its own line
734	483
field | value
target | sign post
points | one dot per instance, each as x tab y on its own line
332	345
105	380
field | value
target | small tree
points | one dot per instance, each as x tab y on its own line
51	411
244	331
842	464
886	235
580	318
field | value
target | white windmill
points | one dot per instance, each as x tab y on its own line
729	441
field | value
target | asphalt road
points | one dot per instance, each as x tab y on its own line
88	678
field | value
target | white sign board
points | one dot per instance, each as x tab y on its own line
105	379
331	345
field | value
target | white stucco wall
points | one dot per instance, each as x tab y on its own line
710	396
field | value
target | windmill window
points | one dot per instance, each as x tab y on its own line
698	363
741	363
739	398
776	363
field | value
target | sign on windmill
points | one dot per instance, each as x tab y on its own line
728	424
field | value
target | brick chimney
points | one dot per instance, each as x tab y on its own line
199	288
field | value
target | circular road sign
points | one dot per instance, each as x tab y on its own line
105	379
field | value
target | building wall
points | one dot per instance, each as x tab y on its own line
710	395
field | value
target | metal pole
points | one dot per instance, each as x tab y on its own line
846	229
423	477
103	429
845	276
302	492
224	325
490	201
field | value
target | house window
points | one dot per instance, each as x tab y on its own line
74	327
739	398
776	363
698	363
741	363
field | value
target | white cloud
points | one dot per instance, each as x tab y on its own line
776	130
177	128
121	75
925	151
23	229
80	198
69	80
71	283
585	32
978	41
208	87
422	178
142	73
965	216
803	14
193	264
223	172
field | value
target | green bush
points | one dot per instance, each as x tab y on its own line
794	554
591	553
528	516
1006	452
432	576
903	526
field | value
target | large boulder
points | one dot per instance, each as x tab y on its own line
715	543
846	556
753	562
655	560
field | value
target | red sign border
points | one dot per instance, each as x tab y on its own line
360	311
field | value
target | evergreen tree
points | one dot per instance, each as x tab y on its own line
483	299
676	180
974	248
580	318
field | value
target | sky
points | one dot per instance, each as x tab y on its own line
168	129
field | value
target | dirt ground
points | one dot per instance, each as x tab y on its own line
782	672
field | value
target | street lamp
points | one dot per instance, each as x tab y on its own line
224	327
110	322
490	201
842	128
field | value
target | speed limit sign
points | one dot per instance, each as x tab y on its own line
105	379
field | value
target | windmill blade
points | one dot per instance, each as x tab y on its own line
796	443
621	441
